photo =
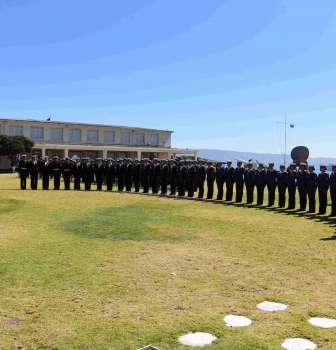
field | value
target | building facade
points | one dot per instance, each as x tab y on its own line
68	139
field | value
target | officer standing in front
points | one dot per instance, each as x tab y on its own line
260	182
229	180
271	182
220	179
211	176
34	172
291	184
302	186
332	186
56	170
239	180
23	171
322	185
66	173
249	183
311	188
45	170
282	185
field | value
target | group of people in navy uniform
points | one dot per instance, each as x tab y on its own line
187	177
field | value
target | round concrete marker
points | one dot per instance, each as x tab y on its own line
322	322
197	339
298	344
237	321
271	307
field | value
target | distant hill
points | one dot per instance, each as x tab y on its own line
219	155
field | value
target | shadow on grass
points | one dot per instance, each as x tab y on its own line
134	222
10	205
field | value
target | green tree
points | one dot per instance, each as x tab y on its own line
11	146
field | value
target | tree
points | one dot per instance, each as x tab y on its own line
11	146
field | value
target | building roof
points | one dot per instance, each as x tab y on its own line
83	124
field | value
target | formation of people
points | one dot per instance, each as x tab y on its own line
188	177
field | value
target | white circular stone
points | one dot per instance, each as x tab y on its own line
270	306
237	321
298	344
322	322
197	339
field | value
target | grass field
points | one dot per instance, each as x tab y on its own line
84	270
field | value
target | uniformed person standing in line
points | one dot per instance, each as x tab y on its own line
34	172
332	186
282	185
23	171
239	180
173	176
56	170
200	176
271	181
99	174
302	186
121	174
77	173
260	182
182	178
164	176
191	178
249	183
146	175
67	172
156	176
322	185
129	175
220	179
229	180
137	174
211	176
109	171
45	170
311	188
291	184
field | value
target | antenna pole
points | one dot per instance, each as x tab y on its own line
285	140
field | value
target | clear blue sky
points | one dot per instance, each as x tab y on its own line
220	73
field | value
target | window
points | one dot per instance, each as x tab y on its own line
125	137
110	155
74	154
140	138
92	154
36	132
92	135
124	155
75	135
15	130
56	134
154	139
109	136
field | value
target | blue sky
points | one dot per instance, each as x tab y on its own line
218	73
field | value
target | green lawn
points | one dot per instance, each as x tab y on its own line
84	270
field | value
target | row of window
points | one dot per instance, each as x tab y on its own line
76	135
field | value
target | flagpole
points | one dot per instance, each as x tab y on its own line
285	140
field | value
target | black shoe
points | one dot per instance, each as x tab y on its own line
331	215
320	213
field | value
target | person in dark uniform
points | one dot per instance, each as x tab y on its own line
260	182
164	176
23	171
191	178
109	171
201	175
77	173
146	175
137	174
173	175
45	170
291	184
99	174
182	178
211	176
122	174
322	185
156	176
66	173
56	170
302	186
83	169
129	175
89	173
249	183
34	172
332	186
238	176
271	182
229	180
282	185
220	179
311	188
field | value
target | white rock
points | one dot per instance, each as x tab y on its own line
197	339
298	344
322	322
173	273
270	306
237	321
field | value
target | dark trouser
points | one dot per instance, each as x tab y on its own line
191	188
109	183
88	182
145	184
282	196
271	194
249	192
312	201
136	184
210	189
99	181
57	179
303	198
220	189
333	202
66	181
23	182
201	188
120	184
128	182
164	186
229	190
172	187
181	188
45	181
155	185
77	181
239	191
260	194
323	200
291	197
33	181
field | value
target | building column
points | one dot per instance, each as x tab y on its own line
169	155
43	152
104	153
139	155
66	152
195	155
